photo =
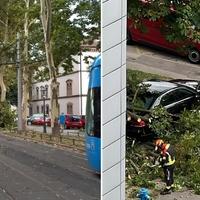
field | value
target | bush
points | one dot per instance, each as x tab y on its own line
7	116
188	160
161	122
190	121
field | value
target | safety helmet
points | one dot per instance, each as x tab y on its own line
158	144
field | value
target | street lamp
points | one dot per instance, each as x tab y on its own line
43	95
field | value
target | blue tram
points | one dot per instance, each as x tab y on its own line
93	117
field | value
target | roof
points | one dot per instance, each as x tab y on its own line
97	62
160	86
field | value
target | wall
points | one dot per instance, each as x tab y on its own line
113	99
79	86
75	84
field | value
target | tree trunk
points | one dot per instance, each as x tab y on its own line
46	16
25	71
2	84
3	88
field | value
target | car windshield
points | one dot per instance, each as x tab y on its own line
76	117
145	97
149	91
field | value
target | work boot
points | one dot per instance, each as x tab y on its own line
165	191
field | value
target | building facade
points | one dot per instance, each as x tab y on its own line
72	90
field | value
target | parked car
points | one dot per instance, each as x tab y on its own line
172	95
38	119
32	117
74	121
154	36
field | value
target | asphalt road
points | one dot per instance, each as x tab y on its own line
30	171
149	59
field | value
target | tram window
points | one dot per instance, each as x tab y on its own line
97	112
93	115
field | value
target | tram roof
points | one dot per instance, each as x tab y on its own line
97	62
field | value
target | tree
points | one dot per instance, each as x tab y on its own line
180	18
4	41
29	18
46	17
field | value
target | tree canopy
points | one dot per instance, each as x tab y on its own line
72	23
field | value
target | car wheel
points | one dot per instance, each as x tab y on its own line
194	56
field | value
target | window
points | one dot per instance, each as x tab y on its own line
58	108
47	109
47	88
183	94
76	118
145	99
69	87
30	111
69	108
176	95
93	112
37	92
42	109
168	98
38	108
31	93
42	91
58	92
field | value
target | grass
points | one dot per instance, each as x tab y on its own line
140	76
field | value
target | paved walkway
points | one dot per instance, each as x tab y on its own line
72	132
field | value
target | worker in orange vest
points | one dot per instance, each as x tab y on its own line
166	160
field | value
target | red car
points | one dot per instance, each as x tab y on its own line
40	121
154	37
74	121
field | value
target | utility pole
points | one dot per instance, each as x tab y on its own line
81	81
44	95
19	85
